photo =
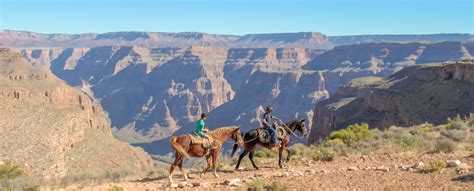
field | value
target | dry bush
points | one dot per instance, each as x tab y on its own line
9	170
261	185
445	145
434	166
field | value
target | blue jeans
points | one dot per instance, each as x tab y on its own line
273	134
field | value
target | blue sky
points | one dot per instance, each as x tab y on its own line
331	17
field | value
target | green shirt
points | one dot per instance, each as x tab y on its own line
199	125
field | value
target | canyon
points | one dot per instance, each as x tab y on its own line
154	85
53	131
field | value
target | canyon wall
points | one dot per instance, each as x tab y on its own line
53	130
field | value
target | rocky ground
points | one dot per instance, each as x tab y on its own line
374	172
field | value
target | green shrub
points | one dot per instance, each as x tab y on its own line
297	149
8	170
425	128
265	153
323	154
352	133
407	142
434	166
458	135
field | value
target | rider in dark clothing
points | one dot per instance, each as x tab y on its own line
267	123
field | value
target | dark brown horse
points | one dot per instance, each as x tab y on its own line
252	139
183	148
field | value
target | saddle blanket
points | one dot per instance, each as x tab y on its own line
198	140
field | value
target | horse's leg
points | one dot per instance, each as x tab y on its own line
251	153
180	165
288	155
280	152
175	163
245	152
208	159
214	161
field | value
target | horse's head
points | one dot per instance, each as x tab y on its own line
300	126
237	136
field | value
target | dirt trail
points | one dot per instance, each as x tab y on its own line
374	172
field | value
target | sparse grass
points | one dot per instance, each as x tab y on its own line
92	178
8	170
261	185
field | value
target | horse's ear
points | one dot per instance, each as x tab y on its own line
303	120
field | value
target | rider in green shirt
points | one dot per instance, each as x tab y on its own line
201	126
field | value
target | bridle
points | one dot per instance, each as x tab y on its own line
290	130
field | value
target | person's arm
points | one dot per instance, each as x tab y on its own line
264	121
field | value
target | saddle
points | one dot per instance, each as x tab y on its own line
265	136
198	140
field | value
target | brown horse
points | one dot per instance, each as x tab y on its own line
252	139
183	148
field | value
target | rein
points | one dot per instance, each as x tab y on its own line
291	131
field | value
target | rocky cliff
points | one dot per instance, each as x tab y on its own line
414	95
53	130
151	93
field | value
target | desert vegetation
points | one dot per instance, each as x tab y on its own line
12	177
358	139
454	136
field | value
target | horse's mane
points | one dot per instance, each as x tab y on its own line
292	123
223	130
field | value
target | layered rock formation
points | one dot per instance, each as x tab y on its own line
151	93
432	38
53	130
310	40
414	95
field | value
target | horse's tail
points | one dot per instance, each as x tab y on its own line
234	149
177	147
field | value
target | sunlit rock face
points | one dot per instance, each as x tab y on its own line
53	130
414	95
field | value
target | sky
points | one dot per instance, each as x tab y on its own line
330	17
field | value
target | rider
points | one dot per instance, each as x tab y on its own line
201	127
267	123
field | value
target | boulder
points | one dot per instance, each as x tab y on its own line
453	163
232	182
